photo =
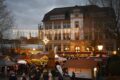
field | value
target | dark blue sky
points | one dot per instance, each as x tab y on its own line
29	13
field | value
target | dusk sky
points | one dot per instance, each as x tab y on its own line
29	13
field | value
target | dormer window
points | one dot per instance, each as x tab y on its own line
55	17
76	10
76	15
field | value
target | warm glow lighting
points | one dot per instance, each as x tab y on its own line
22	62
95	69
56	56
34	49
45	40
77	49
95	72
114	52
100	47
118	48
87	49
66	49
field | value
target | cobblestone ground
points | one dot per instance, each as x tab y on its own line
7	78
19	78
3	77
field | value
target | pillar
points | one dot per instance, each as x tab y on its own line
62	47
61	30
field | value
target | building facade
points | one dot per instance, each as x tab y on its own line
78	28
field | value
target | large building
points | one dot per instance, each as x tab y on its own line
78	28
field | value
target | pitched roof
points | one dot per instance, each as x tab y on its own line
67	10
62	10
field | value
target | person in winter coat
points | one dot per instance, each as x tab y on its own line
12	76
23	77
45	75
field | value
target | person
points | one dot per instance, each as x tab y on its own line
23	77
66	75
50	75
54	74
45	75
59	68
37	74
60	72
12	76
73	76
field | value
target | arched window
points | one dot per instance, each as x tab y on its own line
76	24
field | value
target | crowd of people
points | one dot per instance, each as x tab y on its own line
33	72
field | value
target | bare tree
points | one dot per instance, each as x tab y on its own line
6	19
115	5
6	22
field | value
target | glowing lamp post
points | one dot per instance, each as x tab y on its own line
114	52
95	72
100	48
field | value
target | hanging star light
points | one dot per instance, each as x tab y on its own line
45	40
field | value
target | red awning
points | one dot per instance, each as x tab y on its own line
81	63
81	52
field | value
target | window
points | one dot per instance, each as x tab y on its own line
76	10
76	36
66	47
76	24
54	17
57	26
55	38
66	25
86	36
59	36
59	47
48	26
76	15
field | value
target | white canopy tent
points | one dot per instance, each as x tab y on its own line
22	62
57	58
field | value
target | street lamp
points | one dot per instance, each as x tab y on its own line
100	48
114	52
95	72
